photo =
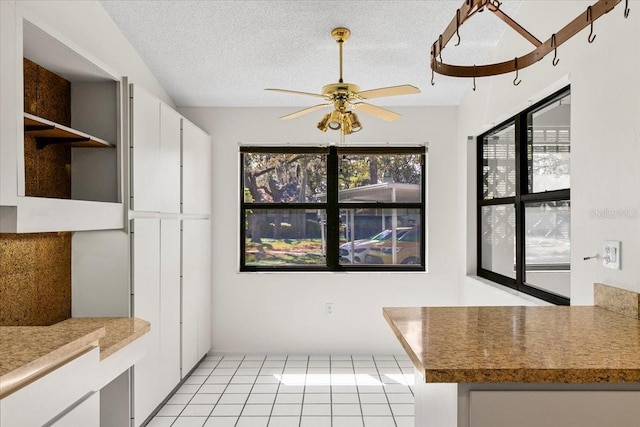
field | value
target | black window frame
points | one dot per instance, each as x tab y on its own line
333	207
522	196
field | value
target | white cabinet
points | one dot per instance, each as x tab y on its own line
196	170
169	166
85	414
145	150
55	396
169	304
95	115
145	241
169	197
155	154
156	298
196	292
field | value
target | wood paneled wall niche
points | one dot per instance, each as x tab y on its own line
47	171
35	279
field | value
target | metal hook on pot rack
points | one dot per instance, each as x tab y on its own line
540	48
592	36
458	27
474	77
626	8
554	45
516	77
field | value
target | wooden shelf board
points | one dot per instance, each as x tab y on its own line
51	131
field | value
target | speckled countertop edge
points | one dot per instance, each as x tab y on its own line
28	351
598	373
119	331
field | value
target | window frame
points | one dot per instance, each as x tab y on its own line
522	196
333	207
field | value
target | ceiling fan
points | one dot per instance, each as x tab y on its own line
344	96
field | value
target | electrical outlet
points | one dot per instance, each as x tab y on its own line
328	308
611	254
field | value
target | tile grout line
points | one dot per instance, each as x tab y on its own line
355	380
331	390
304	389
225	388
198	389
384	390
251	389
275	399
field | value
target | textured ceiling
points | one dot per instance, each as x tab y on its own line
224	53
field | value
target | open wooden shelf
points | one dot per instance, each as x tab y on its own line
47	132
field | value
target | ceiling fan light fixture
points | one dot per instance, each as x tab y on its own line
335	120
323	124
356	126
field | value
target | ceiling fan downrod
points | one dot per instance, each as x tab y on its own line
340	35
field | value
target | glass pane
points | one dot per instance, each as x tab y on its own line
380	178
549	147
499	239
288	178
380	236
499	163
285	237
548	246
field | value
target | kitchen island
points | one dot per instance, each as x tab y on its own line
524	366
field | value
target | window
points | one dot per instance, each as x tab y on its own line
332	208
524	219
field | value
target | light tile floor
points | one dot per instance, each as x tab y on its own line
293	391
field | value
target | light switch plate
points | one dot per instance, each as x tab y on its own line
611	254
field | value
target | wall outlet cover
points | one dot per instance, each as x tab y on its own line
611	254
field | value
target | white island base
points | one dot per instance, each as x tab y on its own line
526	404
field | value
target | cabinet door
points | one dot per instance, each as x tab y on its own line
204	286
169	196
145	152
169	305
196	323
145	240
86	414
196	170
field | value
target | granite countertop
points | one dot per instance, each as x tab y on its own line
519	344
27	352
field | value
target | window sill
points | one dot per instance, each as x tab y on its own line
526	299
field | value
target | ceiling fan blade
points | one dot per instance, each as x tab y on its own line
295	92
304	111
376	111
388	91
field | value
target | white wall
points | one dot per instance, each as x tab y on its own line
284	312
605	112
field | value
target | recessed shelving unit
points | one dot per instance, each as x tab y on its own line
47	132
68	161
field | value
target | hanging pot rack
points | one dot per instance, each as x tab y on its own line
541	49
